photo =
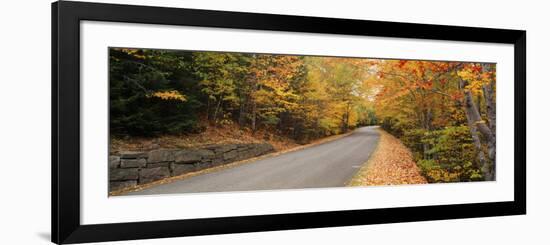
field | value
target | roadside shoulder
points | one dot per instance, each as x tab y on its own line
390	164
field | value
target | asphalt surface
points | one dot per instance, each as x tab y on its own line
331	164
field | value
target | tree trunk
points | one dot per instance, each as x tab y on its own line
488	94
490	102
345	118
216	111
426	117
208	110
345	121
253	116
242	113
252	99
481	161
476	124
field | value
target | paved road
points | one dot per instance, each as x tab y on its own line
331	164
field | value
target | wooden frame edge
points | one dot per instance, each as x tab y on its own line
66	227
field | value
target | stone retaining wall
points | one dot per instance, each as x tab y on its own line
129	169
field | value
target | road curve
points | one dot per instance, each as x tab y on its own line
330	164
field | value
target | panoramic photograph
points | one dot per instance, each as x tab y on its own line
183	121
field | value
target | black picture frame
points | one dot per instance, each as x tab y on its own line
66	17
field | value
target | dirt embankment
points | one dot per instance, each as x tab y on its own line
229	134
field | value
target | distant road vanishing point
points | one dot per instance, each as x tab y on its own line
331	164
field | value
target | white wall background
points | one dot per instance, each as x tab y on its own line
25	121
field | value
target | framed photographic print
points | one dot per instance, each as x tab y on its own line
176	122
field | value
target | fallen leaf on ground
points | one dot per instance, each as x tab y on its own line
391	164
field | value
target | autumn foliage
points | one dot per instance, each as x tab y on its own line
444	112
156	92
